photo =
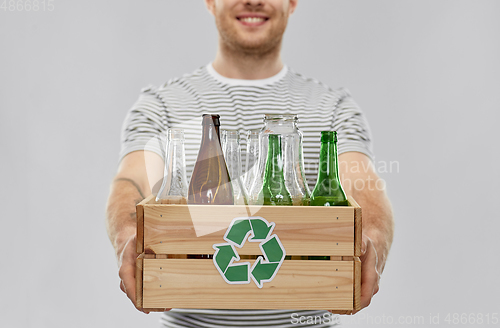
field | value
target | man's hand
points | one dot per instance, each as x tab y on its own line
126	263
371	267
137	171
360	180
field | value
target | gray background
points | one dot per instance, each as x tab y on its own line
426	74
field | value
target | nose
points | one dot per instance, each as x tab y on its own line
254	3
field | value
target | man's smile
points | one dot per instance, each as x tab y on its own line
252	19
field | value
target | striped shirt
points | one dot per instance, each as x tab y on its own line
241	105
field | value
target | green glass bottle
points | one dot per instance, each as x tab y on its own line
274	190
328	190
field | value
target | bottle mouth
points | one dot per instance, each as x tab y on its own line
176	133
282	117
211	119
231	134
251	134
328	136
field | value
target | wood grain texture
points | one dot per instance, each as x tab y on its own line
139	210
138	280
358	226
357	284
303	230
196	283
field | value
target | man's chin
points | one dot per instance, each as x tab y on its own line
255	46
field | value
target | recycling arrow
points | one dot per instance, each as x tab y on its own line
263	272
224	256
255	229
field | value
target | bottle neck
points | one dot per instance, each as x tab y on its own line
280	126
274	164
175	169
328	165
233	157
252	151
210	133
176	154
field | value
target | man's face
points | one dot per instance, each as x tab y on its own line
251	26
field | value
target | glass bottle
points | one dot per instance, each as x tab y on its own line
294	174
286	126
210	182
274	190
328	190
252	157
174	186
232	154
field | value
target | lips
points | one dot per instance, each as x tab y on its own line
252	19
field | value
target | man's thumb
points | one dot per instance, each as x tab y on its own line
364	246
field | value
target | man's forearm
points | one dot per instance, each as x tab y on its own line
360	179
121	220
378	223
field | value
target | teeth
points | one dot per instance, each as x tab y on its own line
252	19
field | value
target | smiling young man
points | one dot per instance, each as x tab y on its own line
246	80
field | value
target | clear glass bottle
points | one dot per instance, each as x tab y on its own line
174	186
232	154
293	169
252	157
223	141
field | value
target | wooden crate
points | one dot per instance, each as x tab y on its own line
166	278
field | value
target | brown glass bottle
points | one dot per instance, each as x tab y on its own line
210	182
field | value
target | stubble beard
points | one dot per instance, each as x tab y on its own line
231	41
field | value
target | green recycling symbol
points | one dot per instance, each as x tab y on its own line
264	269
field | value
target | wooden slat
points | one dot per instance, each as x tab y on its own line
140	224
341	311
138	280
185	229
196	283
358	224
357	284
154	310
